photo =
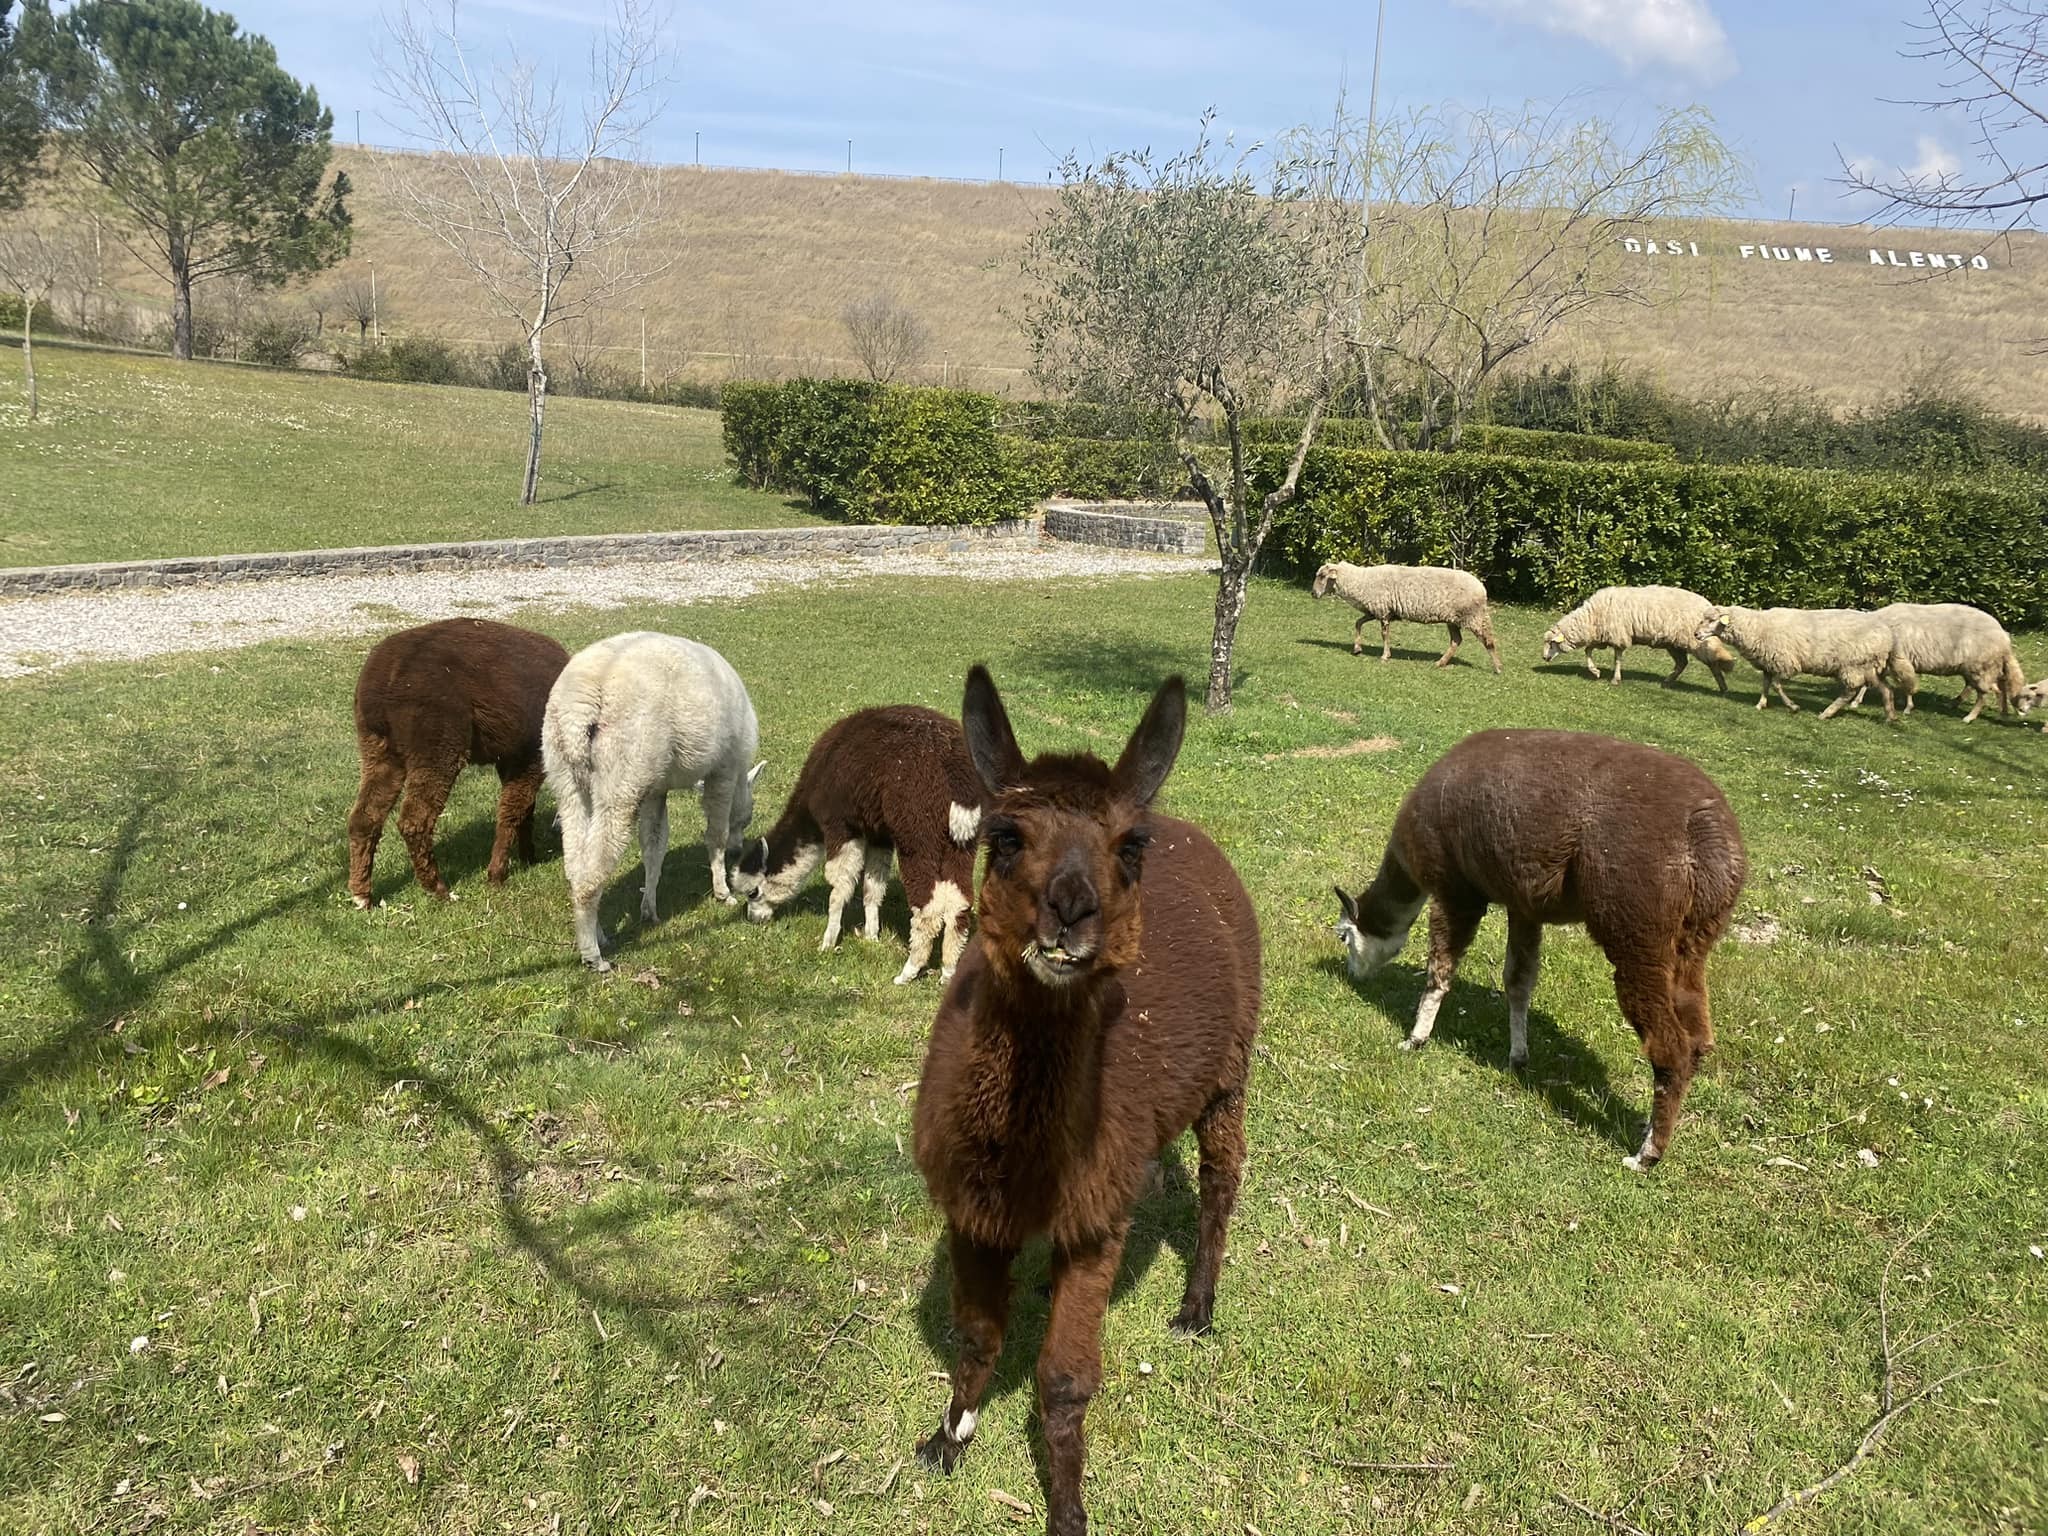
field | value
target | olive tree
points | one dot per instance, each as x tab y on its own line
1207	288
1492	228
544	206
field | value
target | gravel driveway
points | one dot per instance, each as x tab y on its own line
40	634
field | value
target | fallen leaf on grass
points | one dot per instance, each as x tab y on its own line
213	1079
52	1418
70	1119
409	1468
700	1493
1009	1501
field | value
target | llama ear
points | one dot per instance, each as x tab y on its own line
754	772
1148	756
990	741
1350	907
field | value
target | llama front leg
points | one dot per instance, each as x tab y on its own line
1644	990
1070	1372
1220	1133
843	868
653	849
927	914
874	888
718	797
981	1308
1525	950
1450	935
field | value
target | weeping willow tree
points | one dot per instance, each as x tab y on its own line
1203	289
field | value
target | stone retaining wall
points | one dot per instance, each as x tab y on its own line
586	549
1172	528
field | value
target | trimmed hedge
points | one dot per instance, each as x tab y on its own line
871	453
1552	532
1517	442
1090	469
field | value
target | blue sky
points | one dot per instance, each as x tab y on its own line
935	88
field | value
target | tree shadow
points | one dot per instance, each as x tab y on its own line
1111	663
1167	1215
1570	1079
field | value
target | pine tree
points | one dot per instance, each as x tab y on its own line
21	119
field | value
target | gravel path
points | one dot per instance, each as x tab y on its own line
40	634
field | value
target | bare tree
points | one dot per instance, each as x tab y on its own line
1210	283
355	300
1993	62
34	260
887	338
1491	229
543	207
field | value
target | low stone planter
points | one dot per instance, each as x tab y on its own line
1167	528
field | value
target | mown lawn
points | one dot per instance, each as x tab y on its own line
321	1221
137	457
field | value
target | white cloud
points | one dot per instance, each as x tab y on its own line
1680	35
1936	160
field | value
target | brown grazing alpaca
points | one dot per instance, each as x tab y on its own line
430	700
1106	1003
1565	827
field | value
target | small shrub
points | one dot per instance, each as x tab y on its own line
411	360
277	340
748	414
10	311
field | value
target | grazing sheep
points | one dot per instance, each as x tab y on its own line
1106	1004
894	778
1565	827
1843	643
1415	594
2032	694
1953	640
1619	617
630	719
430	700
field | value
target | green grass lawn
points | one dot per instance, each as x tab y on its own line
136	457
428	1230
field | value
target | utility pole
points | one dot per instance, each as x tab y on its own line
1791	203
359	127
697	140
643	351
373	301
999	162
849	157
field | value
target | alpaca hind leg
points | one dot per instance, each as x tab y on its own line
1070	1373
383	780
427	783
653	821
930	908
1457	639
1219	1132
1450	934
874	888
606	831
981	1308
1644	989
1525	952
718	829
843	870
520	787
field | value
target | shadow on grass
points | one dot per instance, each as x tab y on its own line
581	490
463	854
1167	1215
1401	652
1111	663
1567	1076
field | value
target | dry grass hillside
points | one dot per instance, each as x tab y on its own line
764	263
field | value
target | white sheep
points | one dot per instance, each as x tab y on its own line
1843	643
630	719
2032	694
1415	594
1619	617
1953	640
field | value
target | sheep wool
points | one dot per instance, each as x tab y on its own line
1414	594
1846	644
1953	640
1619	617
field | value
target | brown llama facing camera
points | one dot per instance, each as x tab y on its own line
429	701
1565	827
1105	1004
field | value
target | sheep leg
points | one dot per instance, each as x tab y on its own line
1219	1131
1484	630
1983	691
1457	639
1679	658
519	790
1592	666
383	780
1525	952
1450	935
1386	640
874	888
1619	652
1777	685
1720	671
426	792
1644	989
1070	1372
653	849
843	868
981	1308
1907	677
1844	700
1358	635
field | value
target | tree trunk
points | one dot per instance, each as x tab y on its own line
1230	595
181	300
28	350
537	401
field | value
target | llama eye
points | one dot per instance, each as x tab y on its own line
1003	842
1130	854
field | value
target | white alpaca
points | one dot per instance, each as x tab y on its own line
630	719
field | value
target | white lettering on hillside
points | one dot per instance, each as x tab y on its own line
1815	255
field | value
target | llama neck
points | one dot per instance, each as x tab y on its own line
1039	1048
1390	903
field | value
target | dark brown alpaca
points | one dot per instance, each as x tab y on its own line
1106	1003
430	700
896	781
1565	827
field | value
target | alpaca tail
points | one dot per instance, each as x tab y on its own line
569	740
